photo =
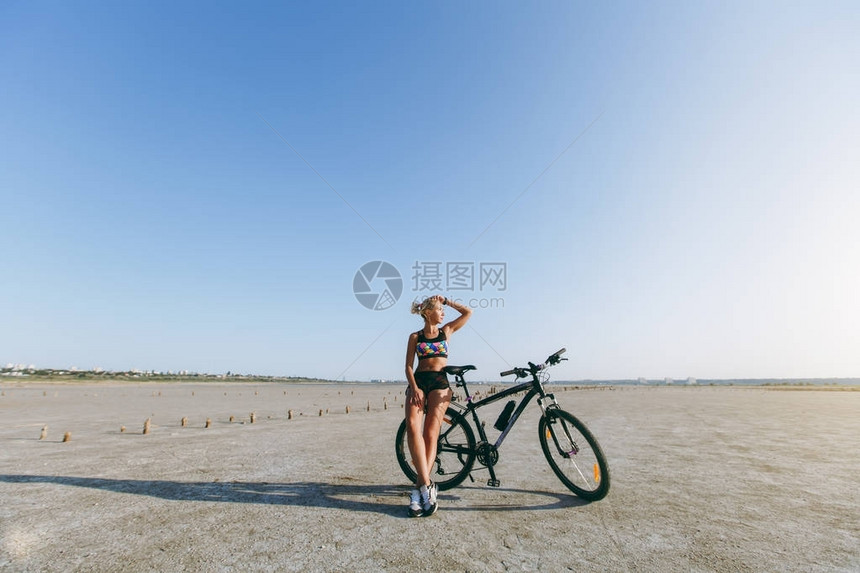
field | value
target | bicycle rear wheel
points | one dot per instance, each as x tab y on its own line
574	454
455	454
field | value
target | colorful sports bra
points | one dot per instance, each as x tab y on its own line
433	347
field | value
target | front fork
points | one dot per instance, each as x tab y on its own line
547	404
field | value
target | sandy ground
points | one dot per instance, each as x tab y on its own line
703	479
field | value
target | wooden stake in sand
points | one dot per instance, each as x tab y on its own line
44	433
67	437
184	421
232	419
146	426
368	405
347	409
321	413
289	414
122	429
208	423
253	417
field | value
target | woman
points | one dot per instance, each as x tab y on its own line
428	391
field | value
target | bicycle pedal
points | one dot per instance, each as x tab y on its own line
493	483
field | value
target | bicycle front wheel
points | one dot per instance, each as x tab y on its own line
574	454
455	454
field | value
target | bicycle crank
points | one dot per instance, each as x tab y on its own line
488	454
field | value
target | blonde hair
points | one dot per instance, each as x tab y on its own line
423	306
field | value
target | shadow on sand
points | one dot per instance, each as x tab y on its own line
386	499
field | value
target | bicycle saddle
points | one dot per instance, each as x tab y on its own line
458	370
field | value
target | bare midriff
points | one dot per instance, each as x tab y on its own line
432	364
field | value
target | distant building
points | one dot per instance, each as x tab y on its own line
642	380
691	381
669	381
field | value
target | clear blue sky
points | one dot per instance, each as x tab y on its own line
155	214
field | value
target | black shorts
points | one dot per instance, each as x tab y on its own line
430	380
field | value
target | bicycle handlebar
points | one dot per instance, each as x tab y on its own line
552	360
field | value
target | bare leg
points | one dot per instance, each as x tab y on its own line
414	430
437	403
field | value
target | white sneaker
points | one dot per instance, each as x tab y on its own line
428	499
415	507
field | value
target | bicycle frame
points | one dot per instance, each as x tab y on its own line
533	387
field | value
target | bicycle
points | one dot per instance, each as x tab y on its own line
571	450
